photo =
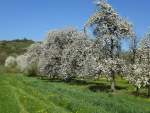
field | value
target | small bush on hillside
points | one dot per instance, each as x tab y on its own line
10	65
21	63
25	67
10	62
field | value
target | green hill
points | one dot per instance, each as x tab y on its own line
14	47
21	94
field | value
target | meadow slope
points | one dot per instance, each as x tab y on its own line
20	94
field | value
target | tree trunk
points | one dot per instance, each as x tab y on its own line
148	91
133	48
113	82
148	57
137	91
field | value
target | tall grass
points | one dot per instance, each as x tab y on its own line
31	95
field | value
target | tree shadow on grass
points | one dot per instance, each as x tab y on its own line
91	85
101	87
140	94
79	82
70	82
96	87
52	80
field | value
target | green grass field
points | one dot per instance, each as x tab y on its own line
21	94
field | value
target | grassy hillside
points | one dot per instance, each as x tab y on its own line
20	94
14	47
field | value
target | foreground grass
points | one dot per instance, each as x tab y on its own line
20	94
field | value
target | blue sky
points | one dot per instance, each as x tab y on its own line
34	18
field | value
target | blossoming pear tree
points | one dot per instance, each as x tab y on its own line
145	59
51	59
110	29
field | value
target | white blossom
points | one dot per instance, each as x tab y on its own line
10	62
22	63
50	61
78	59
28	62
139	73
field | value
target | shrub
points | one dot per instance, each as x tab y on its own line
22	63
26	67
10	62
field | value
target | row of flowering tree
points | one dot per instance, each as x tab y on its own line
69	53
